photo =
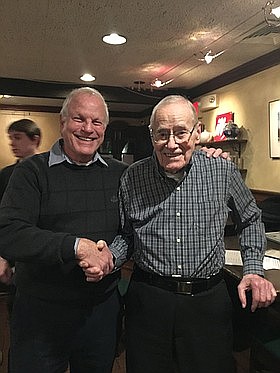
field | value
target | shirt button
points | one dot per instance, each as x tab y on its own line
178	214
179	266
178	240
178	188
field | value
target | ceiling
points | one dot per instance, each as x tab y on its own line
46	45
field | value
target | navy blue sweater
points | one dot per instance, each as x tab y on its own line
43	210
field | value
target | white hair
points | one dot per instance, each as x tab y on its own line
83	90
173	99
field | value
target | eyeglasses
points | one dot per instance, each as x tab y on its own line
162	137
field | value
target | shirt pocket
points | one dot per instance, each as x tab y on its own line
210	218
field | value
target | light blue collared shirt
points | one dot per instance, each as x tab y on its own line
57	156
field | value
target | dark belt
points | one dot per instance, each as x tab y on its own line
182	285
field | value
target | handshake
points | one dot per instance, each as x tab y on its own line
95	259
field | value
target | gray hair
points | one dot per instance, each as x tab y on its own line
83	90
170	100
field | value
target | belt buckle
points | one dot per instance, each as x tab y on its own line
184	287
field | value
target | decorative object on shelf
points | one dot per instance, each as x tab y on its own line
221	121
274	128
231	130
235	147
205	136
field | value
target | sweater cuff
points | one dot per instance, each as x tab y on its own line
67	249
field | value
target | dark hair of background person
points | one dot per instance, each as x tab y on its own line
27	126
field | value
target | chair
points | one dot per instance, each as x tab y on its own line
271	213
265	352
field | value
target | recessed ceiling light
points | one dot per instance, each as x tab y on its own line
114	39
87	78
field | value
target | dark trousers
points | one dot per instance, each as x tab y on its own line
168	333
46	336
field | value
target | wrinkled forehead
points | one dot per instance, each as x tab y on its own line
86	101
88	105
174	114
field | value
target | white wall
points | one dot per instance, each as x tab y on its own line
249	100
48	122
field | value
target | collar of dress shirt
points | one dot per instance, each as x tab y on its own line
57	156
178	176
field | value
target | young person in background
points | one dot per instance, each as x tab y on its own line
24	140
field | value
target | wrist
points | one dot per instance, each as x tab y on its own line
81	248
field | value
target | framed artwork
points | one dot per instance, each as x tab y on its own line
274	128
221	121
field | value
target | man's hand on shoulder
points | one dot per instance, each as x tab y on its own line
213	152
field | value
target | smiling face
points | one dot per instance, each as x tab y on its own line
175	117
83	128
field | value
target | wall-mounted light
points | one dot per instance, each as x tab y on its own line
209	102
272	14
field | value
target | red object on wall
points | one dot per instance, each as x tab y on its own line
221	121
195	104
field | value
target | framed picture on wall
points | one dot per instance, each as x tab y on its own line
274	128
221	121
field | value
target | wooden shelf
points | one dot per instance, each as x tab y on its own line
235	144
230	142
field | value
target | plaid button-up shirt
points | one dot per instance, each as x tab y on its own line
177	228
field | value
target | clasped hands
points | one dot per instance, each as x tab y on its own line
95	259
6	272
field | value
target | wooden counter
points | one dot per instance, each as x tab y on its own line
249	326
273	275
